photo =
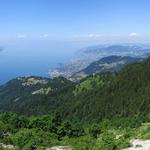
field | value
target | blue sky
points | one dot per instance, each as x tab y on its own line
75	20
38	34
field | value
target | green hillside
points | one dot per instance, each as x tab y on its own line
102	95
105	111
33	95
125	93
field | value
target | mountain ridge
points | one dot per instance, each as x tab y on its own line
96	97
86	56
111	63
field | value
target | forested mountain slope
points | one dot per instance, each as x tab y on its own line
128	93
33	95
124	93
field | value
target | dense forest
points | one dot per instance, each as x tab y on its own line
101	112
96	97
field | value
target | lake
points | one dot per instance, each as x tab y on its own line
23	57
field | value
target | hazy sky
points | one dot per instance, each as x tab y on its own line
75	20
38	34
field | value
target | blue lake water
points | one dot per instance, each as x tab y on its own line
20	58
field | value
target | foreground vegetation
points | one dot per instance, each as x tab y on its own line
41	132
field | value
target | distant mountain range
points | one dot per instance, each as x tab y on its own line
85	57
106	64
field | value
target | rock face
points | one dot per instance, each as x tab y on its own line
60	148
139	145
8	146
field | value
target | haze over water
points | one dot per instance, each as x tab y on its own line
32	57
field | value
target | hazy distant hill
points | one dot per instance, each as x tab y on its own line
106	64
86	56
